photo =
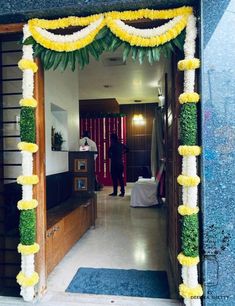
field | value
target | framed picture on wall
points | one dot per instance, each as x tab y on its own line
80	183
80	165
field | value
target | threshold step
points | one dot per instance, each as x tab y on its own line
71	299
53	298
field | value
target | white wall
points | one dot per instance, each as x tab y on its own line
61	89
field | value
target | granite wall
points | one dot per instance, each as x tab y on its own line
218	140
217	42
15	10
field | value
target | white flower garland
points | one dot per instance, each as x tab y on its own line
189	163
73	37
148	33
189	51
27	261
189	166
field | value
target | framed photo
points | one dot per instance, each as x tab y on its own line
80	165
80	183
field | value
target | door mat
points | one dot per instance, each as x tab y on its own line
138	283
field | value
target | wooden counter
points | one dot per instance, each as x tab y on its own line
66	223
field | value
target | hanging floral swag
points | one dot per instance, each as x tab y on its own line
104	41
108	32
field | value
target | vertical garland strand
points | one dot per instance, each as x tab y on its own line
27	277
190	289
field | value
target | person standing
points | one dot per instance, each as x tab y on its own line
115	153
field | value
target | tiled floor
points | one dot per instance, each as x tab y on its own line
124	238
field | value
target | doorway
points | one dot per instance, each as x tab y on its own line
63	110
121	210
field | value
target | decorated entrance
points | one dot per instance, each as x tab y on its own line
104	32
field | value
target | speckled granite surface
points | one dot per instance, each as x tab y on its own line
218	128
16	10
218	139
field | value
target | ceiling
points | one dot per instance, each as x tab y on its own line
111	78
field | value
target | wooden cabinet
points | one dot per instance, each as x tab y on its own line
65	232
82	166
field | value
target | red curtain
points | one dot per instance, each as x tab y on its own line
100	130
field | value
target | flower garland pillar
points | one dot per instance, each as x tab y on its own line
190	289
27	277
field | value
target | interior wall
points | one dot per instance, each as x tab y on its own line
138	139
61	90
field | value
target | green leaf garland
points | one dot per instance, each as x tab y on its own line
27	124
188	124
104	41
190	236
27	227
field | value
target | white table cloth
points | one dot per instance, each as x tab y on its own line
144	193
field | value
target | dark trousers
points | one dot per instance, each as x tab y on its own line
117	176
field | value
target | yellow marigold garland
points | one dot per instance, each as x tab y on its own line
28	146
189	97
65	46
189	150
28	102
135	40
28	249
189	64
150	14
63	22
188	181
27	204
25	281
190	293
184	210
27	180
27	64
187	261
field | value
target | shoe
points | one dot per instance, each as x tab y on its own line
113	194
121	194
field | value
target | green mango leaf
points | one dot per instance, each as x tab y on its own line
102	33
115	42
178	44
37	50
150	56
80	58
93	52
85	56
126	52
65	60
51	60
141	55
134	53
29	41
46	59
72	60
156	54
58	59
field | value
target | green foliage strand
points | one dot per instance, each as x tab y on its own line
188	124
27	124
190	236
27	226
104	41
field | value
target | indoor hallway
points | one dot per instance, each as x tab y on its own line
124	238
